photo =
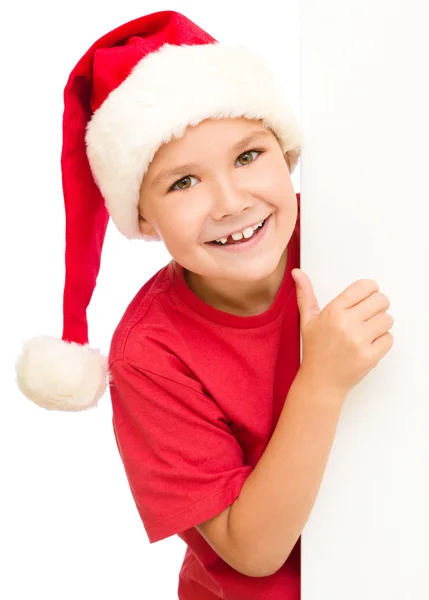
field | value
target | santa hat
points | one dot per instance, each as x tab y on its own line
135	89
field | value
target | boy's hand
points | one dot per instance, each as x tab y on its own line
342	343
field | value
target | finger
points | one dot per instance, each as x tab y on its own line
356	292
378	326
371	306
381	346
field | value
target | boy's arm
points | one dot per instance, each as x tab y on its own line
258	531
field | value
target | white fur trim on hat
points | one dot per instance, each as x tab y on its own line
168	90
59	375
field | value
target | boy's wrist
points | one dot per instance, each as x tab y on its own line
320	390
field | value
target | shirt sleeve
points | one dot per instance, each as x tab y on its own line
181	459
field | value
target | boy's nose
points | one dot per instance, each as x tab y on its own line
229	201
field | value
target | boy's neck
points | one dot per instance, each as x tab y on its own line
242	300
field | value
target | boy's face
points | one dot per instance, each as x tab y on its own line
227	188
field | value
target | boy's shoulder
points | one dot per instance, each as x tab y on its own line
147	312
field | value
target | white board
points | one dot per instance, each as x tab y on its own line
365	198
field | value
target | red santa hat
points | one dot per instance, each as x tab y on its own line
135	89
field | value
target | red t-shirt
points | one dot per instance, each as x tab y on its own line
196	394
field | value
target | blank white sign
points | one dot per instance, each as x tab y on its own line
365	197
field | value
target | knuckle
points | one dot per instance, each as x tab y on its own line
384	300
388	339
390	319
386	319
369	285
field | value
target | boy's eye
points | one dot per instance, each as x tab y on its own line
179	182
248	153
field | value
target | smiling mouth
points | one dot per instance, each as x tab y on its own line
243	240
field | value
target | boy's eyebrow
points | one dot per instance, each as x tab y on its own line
167	173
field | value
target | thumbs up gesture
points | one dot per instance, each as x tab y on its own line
343	342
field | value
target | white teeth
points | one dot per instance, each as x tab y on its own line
246	233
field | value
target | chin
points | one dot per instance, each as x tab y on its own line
257	271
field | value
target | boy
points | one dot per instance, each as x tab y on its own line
205	354
206	351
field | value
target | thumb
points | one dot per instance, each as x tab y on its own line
306	298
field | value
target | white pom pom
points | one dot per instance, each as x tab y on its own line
60	375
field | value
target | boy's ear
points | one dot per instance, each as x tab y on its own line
148	232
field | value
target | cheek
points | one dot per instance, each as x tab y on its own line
281	183
276	190
189	213
182	226
273	175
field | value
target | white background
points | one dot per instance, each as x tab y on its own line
69	526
